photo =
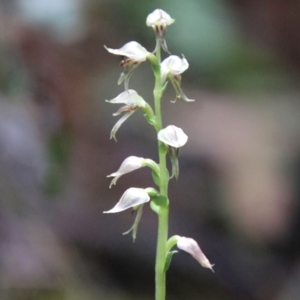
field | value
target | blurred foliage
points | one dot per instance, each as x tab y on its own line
12	74
58	157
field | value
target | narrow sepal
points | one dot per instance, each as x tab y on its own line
156	178
134	227
169	259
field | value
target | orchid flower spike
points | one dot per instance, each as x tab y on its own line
171	68
133	198
134	54
132	163
159	20
190	246
174	138
132	101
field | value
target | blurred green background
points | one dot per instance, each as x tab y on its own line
238	191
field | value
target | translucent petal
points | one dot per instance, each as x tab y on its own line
172	136
130	199
132	50
189	245
119	123
159	17
134	227
176	82
129	97
173	65
130	164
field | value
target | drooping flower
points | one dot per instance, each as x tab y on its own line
134	198
159	20
171	68
132	101
174	138
134	54
130	164
189	245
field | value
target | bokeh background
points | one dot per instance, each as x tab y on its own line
238	190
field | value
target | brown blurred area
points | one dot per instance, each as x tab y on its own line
237	193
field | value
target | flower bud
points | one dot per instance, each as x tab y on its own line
189	245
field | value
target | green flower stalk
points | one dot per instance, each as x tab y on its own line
169	140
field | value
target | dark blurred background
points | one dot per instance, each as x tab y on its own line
238	191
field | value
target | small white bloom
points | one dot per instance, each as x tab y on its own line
134	54
128	97
132	50
173	65
130	164
171	68
159	20
175	138
132	198
172	136
189	245
132	101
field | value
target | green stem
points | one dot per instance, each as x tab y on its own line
163	214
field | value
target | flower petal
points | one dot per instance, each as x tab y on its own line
132	50
130	164
189	245
159	17
130	199
134	227
129	97
119	123
172	136
173	65
176	82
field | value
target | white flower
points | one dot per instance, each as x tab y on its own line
175	138
134	54
130	164
189	245
159	20
173	65
132	50
132	101
172	136
132	198
171	68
